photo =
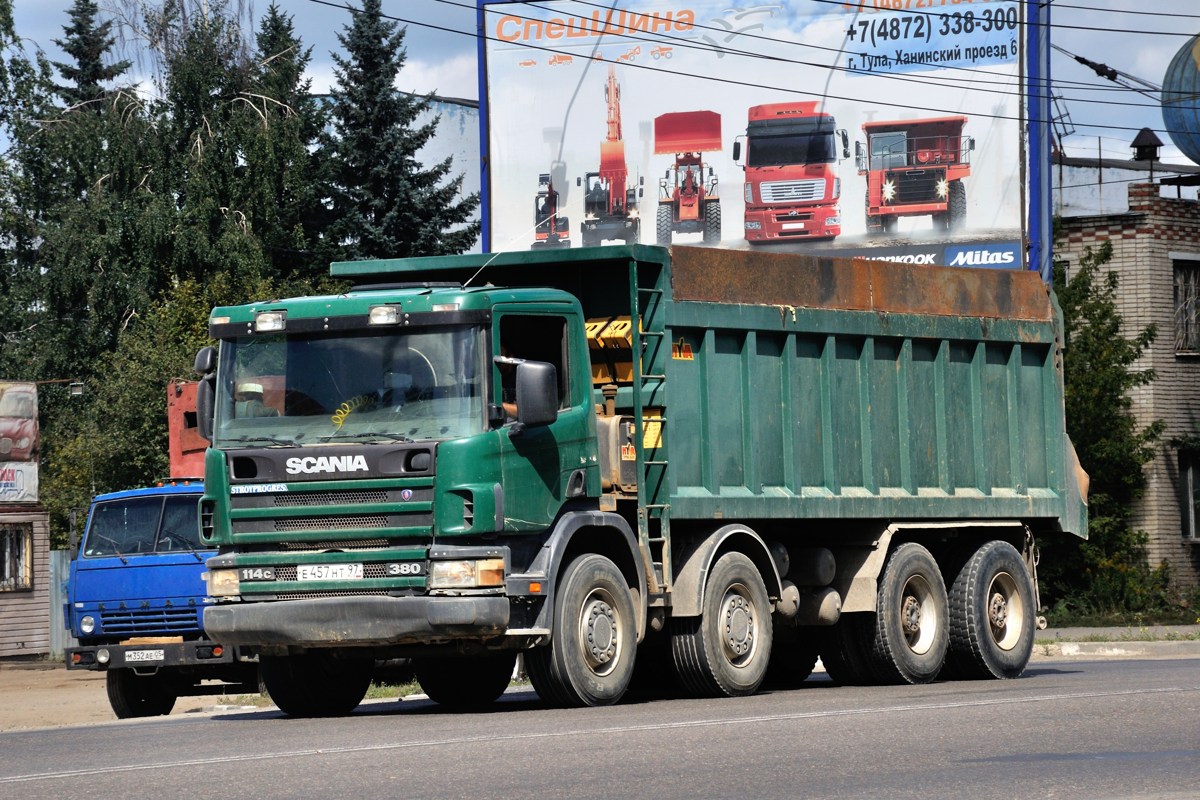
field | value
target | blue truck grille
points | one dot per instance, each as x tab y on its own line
148	620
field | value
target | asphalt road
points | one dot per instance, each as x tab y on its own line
1088	729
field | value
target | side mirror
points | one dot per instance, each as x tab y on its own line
537	393
579	181
73	533
970	143
737	150
845	142
206	360
205	392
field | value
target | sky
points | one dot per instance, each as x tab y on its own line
1124	34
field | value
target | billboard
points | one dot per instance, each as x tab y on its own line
879	128
19	441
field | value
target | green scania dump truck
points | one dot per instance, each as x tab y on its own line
751	459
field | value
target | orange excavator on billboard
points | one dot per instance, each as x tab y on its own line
610	205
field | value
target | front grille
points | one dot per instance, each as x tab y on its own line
317	547
793	191
331	523
917	186
349	497
146	620
318	595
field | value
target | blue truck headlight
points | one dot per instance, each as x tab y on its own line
87	623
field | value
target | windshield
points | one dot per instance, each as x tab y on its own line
16	404
132	526
384	386
778	151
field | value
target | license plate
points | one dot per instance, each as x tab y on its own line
329	572
792	226
143	656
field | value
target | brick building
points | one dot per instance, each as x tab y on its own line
1156	254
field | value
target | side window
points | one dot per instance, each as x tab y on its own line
1189	479
538	338
16	556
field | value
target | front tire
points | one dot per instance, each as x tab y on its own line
992	615
316	684
132	695
589	661
911	634
664	226
467	683
957	206
725	651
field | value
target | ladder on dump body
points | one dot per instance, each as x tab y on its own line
651	350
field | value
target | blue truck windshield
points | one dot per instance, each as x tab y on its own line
305	389
143	525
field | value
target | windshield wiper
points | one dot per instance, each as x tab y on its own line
394	437
268	439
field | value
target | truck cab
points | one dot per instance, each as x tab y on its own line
135	601
790	153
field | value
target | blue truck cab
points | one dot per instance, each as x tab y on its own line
135	602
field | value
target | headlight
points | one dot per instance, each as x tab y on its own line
22	443
753	226
383	315
265	321
87	624
103	656
943	189
889	191
466	574
222	582
835	220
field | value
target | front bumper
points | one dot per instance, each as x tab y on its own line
148	656
357	621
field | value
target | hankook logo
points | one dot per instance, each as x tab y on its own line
310	464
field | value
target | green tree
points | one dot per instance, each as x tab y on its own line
88	42
386	203
1108	572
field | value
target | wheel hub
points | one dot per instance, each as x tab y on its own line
738	620
998	611
600	633
911	615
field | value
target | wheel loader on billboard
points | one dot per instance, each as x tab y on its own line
687	192
915	167
552	229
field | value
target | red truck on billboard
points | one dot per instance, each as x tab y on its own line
915	167
792	187
19	433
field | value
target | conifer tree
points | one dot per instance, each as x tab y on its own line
386	202
88	42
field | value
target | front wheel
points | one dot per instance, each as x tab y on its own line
992	617
589	661
132	695
466	683
956	213
726	650
316	684
712	223
911	618
664	226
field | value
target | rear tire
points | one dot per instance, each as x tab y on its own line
712	222
911	634
316	684
132	695
844	650
725	651
874	223
589	661
992	618
664	226
466	683
793	655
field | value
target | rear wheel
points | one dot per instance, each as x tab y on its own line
466	683
874	222
992	618
712	222
589	661
316	684
911	633
664	226
844	650
725	651
132	695
957	211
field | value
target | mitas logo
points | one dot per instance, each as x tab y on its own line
311	464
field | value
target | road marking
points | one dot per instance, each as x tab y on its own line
702	723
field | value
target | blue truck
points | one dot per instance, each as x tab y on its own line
136	592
